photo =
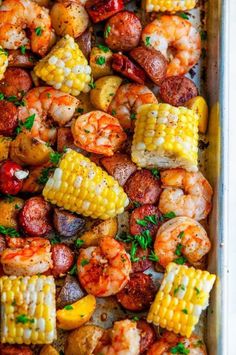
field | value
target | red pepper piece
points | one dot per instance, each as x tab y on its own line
11	178
123	65
100	10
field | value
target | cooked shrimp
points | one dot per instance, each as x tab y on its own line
18	15
181	236
104	270
43	102
171	343
185	194
124	339
127	100
98	132
173	32
26	256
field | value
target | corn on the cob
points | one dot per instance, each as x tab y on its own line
28	310
80	186
3	62
65	68
183	295
166	137
170	5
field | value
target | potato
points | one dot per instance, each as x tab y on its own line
85	104
76	314
106	228
31	184
26	150
48	350
69	18
104	91
84	340
9	211
4	147
199	105
100	61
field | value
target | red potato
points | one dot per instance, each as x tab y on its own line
16	82
17	59
148	335
123	65
119	166
70	292
66	223
34	218
152	61
8	118
138	293
139	214
123	31
100	10
176	90
62	258
143	263
15	350
85	42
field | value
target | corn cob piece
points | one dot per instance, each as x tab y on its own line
166	137
3	62
78	185
65	68
170	5
183	295
28	310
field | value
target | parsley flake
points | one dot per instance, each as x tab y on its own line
103	48
180	261
55	240
22	318
133	251
28	124
179	349
169	215
155	172
183	15
142	222
185	311
181	234
79	242
84	262
55	157
178	250
68	307
92	85
38	31
147	41
44	175
113	112
1	96
100	60
197	290
22	49
9	231
133	116
180	287
107	31
153	257
80	110
135	319
73	270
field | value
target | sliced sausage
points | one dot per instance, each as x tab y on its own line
138	293
70	292
123	65
62	259
145	217
17	59
16	82
152	61
15	350
119	166
34	218
85	42
143	187
8	118
176	90
100	10
147	334
66	223
143	263
123	31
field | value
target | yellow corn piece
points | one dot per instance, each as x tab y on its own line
170	5
183	295
65	68
28	309
80	186
166	137
199	105
3	62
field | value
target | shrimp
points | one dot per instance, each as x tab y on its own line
181	236
171	343
43	102
18	15
26	256
185	194
124	339
173	32
104	270
97	132
127	100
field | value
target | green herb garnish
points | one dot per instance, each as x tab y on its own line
153	257
55	157
179	349
22	49
185	311
197	290
9	231
178	250
180	287
22	318
107	31
68	307
180	261
169	215
133	116
80	110
103	48
147	41
38	31
73	270
155	172
133	251
183	15
44	175
113	112
100	60
28	124
55	240
84	262
92	85
79	243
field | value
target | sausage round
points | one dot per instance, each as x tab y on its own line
123	65
62	258
66	223
143	263
34	218
8	118
140	213
152	61
123	31
16	82
143	187
176	90
148	335
15	350
17	59
85	42
138	293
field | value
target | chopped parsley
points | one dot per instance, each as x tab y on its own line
107	31
155	172
84	262
181	234
113	112
133	251
86	131
38	31
169	215
22	318
68	307
22	49
92	85
185	311
183	15
203	35
136	204
9	231
73	270
180	287
3	51
80	110
1	96
17	207
144	239
179	349
133	116
123	259
135	319
142	222
48	95
103	48
100	60
55	240
44	175
147	41
55	157
178	250
197	290
28	124
152	219
15	100
79	243
180	261
153	257
198	343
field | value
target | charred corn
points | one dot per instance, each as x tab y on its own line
3	62
78	185
28	311
170	5
65	68
165	137
183	295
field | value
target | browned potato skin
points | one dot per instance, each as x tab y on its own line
17	59
70	292
119	166
9	212
85	42
48	350
103	229
4	147
66	223
83	340
26	150
152	61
